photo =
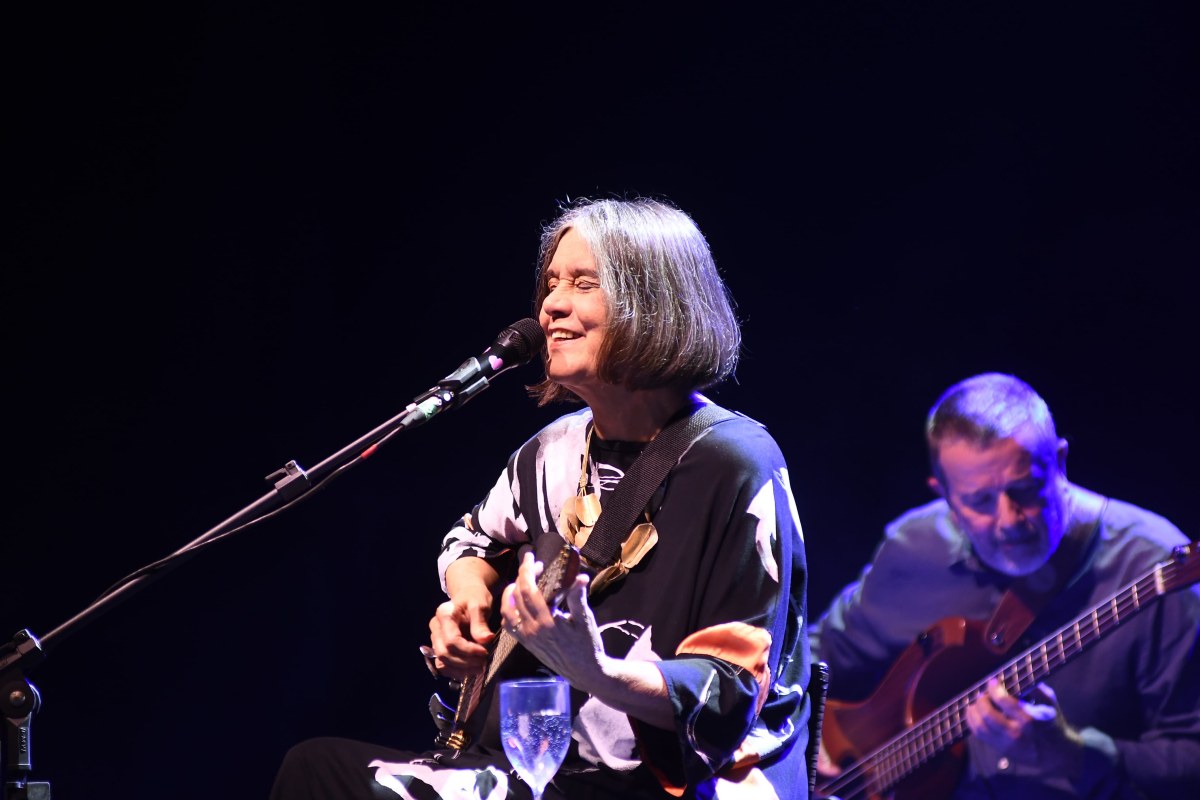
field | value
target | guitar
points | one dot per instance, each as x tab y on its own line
924	760
459	726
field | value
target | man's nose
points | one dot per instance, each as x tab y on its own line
1008	511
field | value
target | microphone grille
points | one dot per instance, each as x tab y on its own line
528	339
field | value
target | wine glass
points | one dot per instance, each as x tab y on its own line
535	728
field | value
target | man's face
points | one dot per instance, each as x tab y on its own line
1008	497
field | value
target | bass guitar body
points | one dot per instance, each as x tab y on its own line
945	658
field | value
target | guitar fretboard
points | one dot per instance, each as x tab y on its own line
548	584
505	642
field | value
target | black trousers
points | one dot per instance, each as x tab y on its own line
325	769
336	769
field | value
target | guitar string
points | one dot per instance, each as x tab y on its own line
889	763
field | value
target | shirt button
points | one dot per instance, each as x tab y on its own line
1002	764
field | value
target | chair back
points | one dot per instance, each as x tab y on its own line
818	690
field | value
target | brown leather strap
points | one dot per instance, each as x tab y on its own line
1027	596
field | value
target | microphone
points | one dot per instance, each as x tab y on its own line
514	346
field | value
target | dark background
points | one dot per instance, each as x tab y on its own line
250	233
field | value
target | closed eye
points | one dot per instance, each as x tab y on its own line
981	503
579	284
1027	494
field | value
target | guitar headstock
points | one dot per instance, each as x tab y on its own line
1183	569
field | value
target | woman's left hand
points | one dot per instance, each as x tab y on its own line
568	642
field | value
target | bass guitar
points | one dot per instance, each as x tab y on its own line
924	760
458	726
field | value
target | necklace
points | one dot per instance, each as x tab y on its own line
578	517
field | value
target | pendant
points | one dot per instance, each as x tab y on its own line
640	542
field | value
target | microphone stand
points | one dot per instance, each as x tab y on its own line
20	699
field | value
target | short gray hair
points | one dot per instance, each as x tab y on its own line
985	408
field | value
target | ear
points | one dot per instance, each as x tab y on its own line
935	486
1061	453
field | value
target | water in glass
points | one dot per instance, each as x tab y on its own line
535	727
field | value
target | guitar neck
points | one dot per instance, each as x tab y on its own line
555	575
504	645
903	754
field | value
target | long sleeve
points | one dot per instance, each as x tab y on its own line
918	575
1163	759
737	678
527	497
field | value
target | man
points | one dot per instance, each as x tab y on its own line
1120	720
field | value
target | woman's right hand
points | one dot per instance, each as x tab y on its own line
459	635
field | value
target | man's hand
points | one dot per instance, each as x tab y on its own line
1033	732
825	766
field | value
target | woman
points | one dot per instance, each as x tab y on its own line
688	673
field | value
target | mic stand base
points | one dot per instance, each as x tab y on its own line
30	790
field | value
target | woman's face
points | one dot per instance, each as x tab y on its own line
574	315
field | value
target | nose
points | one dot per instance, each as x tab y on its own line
557	302
1008	512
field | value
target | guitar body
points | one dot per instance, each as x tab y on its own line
476	716
944	660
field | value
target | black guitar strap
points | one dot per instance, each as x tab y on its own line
624	507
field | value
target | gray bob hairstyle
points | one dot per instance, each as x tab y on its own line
670	317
